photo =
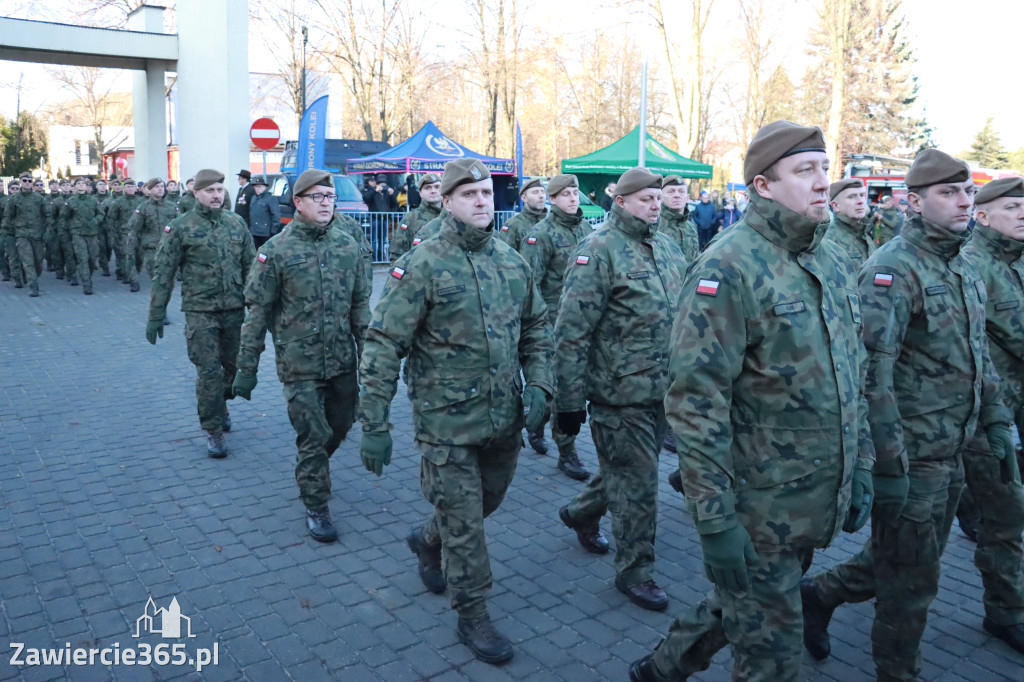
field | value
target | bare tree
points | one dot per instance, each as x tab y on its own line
93	98
285	22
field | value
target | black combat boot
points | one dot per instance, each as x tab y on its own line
675	479
646	595
18	283
670	442
318	521
430	561
33	289
215	446
486	643
644	670
106	271
134	286
1013	635
87	288
72	280
816	619
570	465
537	442
6	277
60	274
589	535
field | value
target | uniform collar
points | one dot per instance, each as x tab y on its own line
466	237
857	227
627	223
539	215
309	229
1000	246
432	207
674	216
207	212
934	239
783	227
563	219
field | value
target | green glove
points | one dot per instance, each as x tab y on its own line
154	328
243	384
862	496
1000	441
535	407
726	556
890	495
375	450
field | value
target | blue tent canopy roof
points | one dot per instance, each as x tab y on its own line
426	152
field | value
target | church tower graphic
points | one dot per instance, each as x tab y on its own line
164	622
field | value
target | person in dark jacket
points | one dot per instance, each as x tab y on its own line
378	196
245	194
728	215
264	213
706	218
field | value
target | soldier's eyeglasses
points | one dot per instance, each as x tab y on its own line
318	197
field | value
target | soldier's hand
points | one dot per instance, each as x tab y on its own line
726	557
861	498
375	450
154	329
243	384
890	495
1000	441
569	423
535	407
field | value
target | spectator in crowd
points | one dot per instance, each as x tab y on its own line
706	218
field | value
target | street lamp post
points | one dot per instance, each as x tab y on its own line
305	40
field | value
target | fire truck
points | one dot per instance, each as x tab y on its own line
886	174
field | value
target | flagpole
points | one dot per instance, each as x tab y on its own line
641	156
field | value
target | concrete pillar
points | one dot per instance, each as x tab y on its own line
213	87
148	108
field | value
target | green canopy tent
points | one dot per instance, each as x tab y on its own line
597	169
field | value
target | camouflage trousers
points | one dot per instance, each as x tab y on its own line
54	253
763	624
30	253
144	256
115	238
87	251
212	339
10	262
466	484
321	412
563	441
628	442
68	260
999	554
899	567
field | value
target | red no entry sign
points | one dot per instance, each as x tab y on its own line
264	133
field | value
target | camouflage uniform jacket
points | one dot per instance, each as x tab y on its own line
767	374
83	215
547	247
431	229
890	222
615	319
353	229
852	237
930	379
516	227
308	287
186	202
411	225
998	258
215	252
146	224
26	214
465	309
680	228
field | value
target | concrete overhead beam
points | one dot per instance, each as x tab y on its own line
85	46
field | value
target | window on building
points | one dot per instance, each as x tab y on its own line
78	152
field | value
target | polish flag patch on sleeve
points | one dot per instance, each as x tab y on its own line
398	273
582	260
167	228
416	241
504	228
531	240
882	280
262	257
137	210
708	287
404	226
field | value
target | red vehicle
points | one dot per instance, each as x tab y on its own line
886	175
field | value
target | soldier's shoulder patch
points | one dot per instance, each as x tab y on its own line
708	287
398	273
262	257
531	240
882	279
582	260
167	228
404	226
504	228
138	211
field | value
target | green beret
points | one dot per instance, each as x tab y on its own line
460	172
530	184
1003	187
672	180
153	182
427	179
205	178
931	167
311	178
776	141
636	179
560	182
839	185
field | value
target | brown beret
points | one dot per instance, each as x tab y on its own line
931	167
636	179
205	178
1003	187
530	184
839	185
672	180
312	178
427	179
460	172
560	182
153	182
128	181
776	141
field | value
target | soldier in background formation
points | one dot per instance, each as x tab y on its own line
534	210
82	216
307	275
429	209
850	230
25	216
188	198
146	227
888	221
548	247
675	221
10	263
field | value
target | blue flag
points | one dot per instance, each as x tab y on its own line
519	162
312	132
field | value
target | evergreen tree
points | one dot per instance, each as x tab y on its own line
22	143
987	150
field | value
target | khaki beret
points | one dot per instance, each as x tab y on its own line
205	178
529	184
776	141
839	185
153	182
128	181
560	182
427	179
672	180
460	172
636	179
1003	187
931	167
312	178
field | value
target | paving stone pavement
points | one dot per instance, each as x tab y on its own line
107	499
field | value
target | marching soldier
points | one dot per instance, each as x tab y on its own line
429	208
82	214
850	229
535	209
146	225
